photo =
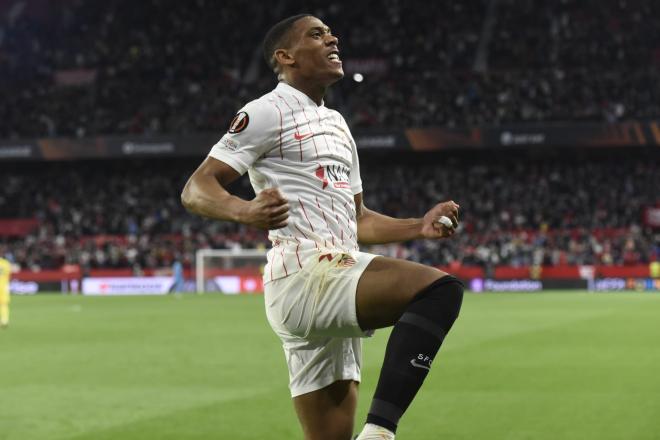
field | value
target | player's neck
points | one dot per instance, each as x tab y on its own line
315	91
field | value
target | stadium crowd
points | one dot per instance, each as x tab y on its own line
519	213
78	68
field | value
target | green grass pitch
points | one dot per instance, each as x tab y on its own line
516	366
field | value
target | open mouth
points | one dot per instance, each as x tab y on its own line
334	57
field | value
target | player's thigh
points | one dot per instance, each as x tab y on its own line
387	286
328	413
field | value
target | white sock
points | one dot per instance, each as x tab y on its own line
375	432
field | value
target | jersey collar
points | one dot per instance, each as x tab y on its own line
284	87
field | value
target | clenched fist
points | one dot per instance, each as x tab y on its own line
268	210
432	228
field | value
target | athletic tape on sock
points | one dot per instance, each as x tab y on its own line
386	410
424	323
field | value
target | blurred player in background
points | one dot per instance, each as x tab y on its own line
321	293
177	276
5	275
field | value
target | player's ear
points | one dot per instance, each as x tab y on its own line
283	57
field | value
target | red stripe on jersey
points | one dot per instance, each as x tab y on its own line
304	235
325	139
280	111
351	210
297	255
341	228
346	132
305	212
334	140
286	273
296	122
332	236
308	125
352	216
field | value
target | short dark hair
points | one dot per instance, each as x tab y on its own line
275	36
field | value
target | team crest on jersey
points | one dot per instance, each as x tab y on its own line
346	261
239	123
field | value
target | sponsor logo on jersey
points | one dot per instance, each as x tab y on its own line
299	137
335	174
229	144
239	123
320	173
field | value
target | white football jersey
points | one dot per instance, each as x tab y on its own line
285	141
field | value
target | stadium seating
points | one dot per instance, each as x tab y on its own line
156	66
79	69
516	212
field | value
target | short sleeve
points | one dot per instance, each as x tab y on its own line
356	180
251	134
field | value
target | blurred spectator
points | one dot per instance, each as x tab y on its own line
80	68
515	211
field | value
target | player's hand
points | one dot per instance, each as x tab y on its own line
268	210
433	228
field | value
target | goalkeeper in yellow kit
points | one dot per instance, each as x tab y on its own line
5	272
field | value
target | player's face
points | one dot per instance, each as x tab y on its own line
316	51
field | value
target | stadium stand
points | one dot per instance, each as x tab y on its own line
77	69
160	66
518	211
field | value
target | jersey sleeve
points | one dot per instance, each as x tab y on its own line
252	133
355	179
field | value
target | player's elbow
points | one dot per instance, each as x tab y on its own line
188	199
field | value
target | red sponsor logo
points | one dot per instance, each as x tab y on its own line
341	185
320	173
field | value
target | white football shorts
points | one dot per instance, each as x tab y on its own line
313	312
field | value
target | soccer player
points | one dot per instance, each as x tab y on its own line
5	274
177	276
321	293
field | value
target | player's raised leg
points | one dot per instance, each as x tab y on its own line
328	413
422	303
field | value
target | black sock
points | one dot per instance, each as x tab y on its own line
414	342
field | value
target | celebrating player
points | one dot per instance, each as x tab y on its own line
321	293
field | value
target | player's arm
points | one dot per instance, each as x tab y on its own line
376	228
249	137
205	195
